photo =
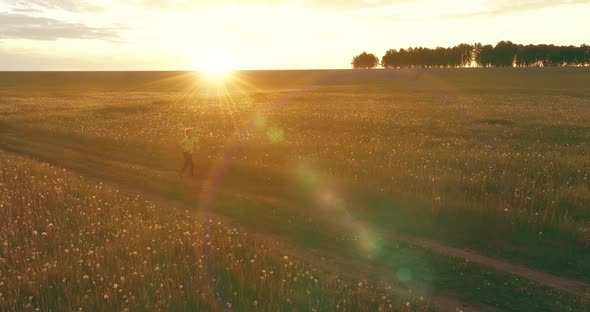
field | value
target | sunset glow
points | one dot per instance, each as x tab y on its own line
263	34
215	63
294	155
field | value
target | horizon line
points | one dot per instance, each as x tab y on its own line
270	70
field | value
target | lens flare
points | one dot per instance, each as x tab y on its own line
275	135
404	275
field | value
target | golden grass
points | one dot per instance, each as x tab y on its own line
69	244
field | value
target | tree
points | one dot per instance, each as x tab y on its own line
476	53
390	59
504	53
465	54
585	54
365	60
486	55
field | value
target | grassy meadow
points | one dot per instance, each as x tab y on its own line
94	248
338	164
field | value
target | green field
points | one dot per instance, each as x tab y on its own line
352	168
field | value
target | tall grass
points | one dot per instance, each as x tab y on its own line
496	159
70	244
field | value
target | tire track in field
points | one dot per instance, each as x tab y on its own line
331	263
444	303
571	286
566	285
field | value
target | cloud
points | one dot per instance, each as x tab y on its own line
28	60
322	4
350	4
65	5
20	26
508	7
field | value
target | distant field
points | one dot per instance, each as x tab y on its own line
494	160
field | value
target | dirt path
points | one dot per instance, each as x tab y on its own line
563	284
345	267
567	285
444	303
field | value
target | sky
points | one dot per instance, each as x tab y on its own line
264	34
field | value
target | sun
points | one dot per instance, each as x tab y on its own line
215	68
216	65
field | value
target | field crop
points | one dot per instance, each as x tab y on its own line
494	160
72	244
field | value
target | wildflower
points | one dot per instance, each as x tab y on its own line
105	297
285	258
115	286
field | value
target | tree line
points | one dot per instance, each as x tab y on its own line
503	54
